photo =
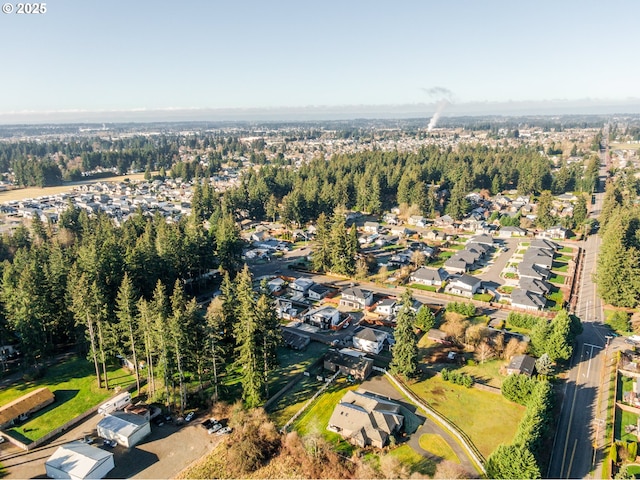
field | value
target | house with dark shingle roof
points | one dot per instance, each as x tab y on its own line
369	340
521	364
526	299
358	367
356	297
465	285
429	276
366	419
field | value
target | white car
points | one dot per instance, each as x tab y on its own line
189	416
214	428
224	431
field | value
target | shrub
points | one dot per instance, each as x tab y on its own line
466	309
457	378
522	320
471	362
613	452
518	388
619	321
632	449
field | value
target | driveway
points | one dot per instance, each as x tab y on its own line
163	454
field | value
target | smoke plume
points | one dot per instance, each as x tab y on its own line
444	98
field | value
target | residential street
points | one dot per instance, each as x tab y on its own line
582	417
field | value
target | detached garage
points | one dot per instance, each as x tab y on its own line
78	460
125	428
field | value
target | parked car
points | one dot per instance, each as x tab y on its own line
215	427
109	443
224	431
189	416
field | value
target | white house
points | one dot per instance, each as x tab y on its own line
355	297
79	460
301	285
317	291
508	232
369	340
465	285
386	306
371	227
127	429
429	276
275	284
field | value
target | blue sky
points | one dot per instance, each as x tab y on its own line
123	55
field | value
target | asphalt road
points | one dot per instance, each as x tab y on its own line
580	430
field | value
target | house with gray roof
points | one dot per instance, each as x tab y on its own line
535	285
429	276
522	365
508	232
356	297
529	270
545	244
366	419
465	285
528	300
358	366
369	340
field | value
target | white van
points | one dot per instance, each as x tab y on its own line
116	403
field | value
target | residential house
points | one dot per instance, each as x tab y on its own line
508	232
324	317
417	220
372	227
429	276
390	218
556	232
444	221
527	269
288	309
358	366
301	285
465	285
78	461
366	419
260	236
435	235
544	244
355	297
537	256
535	285
275	284
522	365
369	340
482	239
462	261
401	231
386	306
295	340
528	300
318	291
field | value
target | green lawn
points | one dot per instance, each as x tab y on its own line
316	418
563	258
560	267
558	279
428	288
293	400
625	418
487	418
506	289
634	470
487	372
555	300
293	362
483	297
434	443
525	244
74	385
566	250
416	462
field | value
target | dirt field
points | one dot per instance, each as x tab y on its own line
163	454
34	192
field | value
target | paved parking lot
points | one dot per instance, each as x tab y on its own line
163	454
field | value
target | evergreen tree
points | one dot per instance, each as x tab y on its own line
544	218
248	341
425	320
405	350
342	259
512	461
269	331
321	258
580	210
127	317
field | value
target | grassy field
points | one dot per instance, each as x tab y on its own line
488	418
487	372
428	288
625	418
435	444
558	279
624	146
316	418
560	267
416	462
293	362
74	385
34	192
293	400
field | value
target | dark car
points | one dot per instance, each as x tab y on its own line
109	443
